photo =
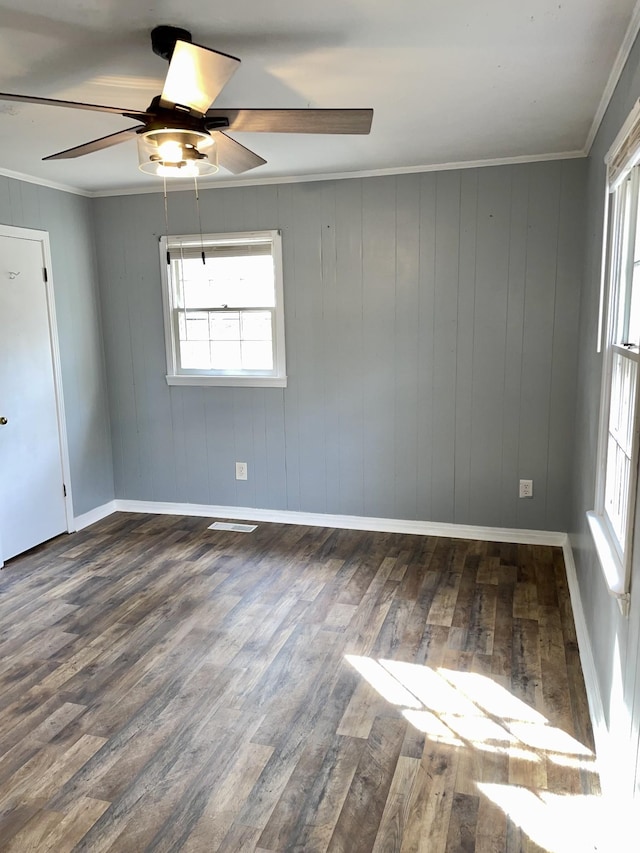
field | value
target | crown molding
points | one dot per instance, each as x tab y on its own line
618	67
337	176
43	182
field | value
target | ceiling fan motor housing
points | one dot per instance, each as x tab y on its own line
163	40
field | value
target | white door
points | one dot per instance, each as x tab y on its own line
32	500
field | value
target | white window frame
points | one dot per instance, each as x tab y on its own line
277	377
623	176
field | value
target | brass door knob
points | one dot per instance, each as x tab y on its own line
3	421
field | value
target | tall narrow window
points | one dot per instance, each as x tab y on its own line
612	521
224	321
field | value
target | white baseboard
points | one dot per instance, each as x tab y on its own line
619	816
606	763
348	522
94	515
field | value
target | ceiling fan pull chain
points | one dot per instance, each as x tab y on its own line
195	184
166	217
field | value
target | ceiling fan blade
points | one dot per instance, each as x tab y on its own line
76	105
196	76
235	157
95	145
296	121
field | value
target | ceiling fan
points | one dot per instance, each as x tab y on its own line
180	135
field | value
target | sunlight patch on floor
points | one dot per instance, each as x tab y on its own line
472	711
559	823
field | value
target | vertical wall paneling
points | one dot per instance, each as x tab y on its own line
378	272
421	313
179	427
489	343
349	411
195	444
68	220
293	266
309	380
512	371
447	260
537	347
270	443
140	266
466	310
406	341
244	421
565	355
142	271
225	438
117	325
425	309
256	400
330	309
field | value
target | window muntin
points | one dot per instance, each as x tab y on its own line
223	315
619	461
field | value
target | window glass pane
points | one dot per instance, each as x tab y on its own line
256	325
624	274
224	326
195	354
619	444
197	326
257	355
617	490
224	312
225	355
242	281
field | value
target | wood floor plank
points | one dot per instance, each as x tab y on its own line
430	801
74	825
491	827
365	802
316	822
396	817
225	798
41	776
463	820
167	688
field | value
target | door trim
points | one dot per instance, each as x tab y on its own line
42	237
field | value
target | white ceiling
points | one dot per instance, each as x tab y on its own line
450	81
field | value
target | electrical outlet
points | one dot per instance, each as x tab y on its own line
526	488
241	470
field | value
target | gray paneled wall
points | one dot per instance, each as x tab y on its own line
614	639
68	219
431	325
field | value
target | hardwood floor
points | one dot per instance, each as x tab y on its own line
164	687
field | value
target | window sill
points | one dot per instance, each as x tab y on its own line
610	564
237	381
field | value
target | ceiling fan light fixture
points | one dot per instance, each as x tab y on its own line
176	153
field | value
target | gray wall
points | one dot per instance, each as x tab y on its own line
68	219
431	326
614	639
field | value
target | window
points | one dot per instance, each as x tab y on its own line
224	322
612	521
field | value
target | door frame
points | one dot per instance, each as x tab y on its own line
42	237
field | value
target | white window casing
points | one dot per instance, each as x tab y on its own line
612	520
223	309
